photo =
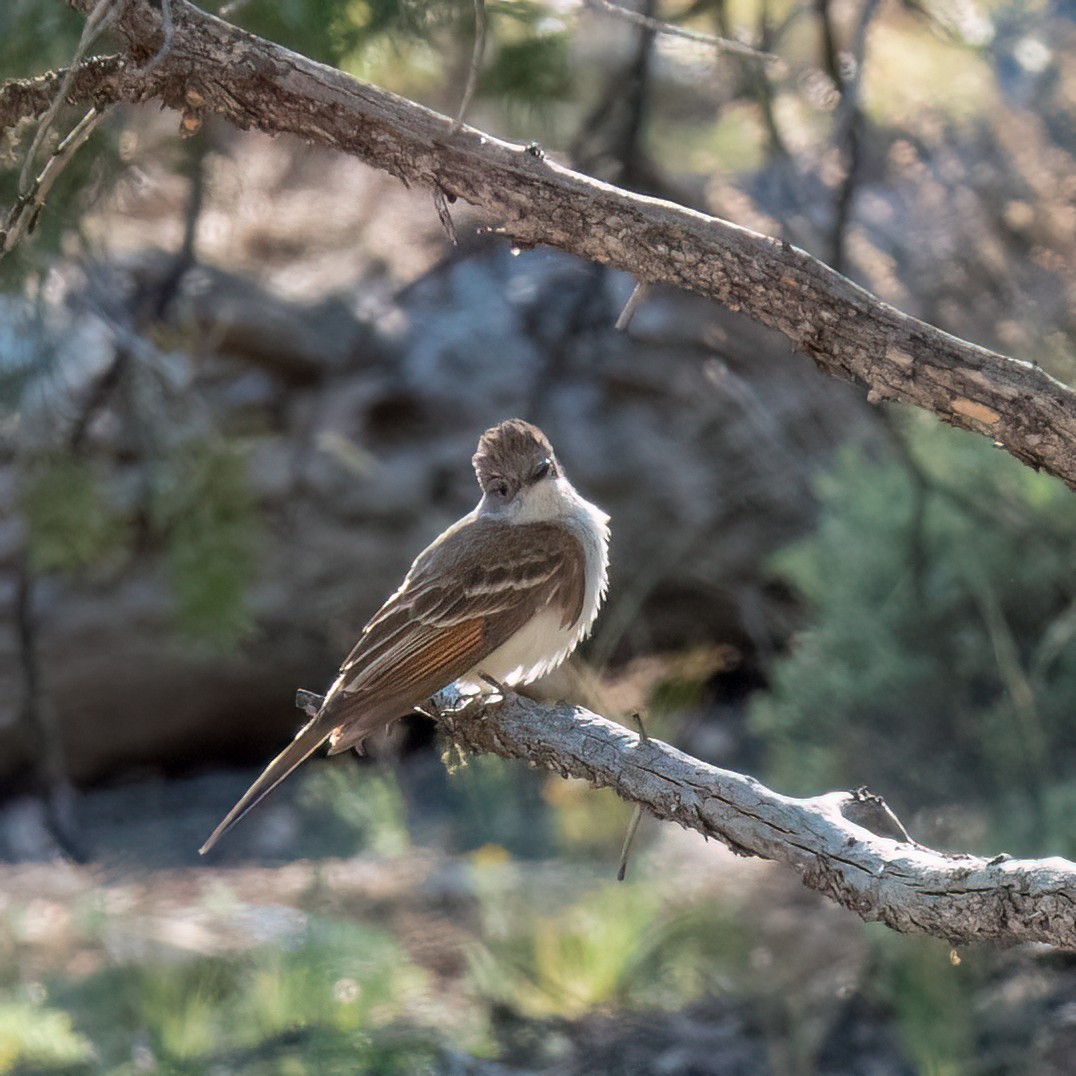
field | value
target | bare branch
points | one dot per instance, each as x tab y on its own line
476	64
93	81
99	16
846	330
24	212
444	215
850	119
638	295
659	26
847	845
166	41
32	192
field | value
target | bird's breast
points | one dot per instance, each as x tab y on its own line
539	646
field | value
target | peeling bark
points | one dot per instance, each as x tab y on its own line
212	66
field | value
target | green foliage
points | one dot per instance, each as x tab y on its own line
618	945
203	511
933	1000
72	525
289	1006
524	65
570	961
206	511
36	36
530	70
519	824
33	1035
355	811
334	31
939	666
315	28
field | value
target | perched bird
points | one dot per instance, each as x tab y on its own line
505	594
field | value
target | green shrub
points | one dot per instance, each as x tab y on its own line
206	513
940	664
330	993
36	1038
354	811
203	517
72	525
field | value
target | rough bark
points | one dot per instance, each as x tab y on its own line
847	845
212	66
100	78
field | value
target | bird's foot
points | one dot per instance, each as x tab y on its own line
450	702
497	695
454	702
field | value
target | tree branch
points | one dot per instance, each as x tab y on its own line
847	845
846	330
660	26
96	81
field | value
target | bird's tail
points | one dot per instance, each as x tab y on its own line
310	737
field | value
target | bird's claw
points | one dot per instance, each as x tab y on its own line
497	695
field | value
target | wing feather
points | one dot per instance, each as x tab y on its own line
463	598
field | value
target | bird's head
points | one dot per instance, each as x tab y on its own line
515	466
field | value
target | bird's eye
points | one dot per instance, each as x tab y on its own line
545	469
499	488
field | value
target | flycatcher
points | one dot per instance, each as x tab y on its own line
506	593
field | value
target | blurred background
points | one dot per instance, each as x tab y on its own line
240	384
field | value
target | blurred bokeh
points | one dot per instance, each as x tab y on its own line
240	383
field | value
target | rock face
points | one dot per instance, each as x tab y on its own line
695	430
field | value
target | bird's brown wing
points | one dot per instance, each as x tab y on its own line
464	597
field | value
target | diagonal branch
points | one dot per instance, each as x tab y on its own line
846	330
847	845
24	212
660	26
95	81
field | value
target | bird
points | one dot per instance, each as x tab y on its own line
501	597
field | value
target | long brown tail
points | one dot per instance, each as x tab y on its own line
309	739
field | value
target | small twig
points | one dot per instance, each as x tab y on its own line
476	65
638	294
637	814
629	841
869	810
308	701
1031	736
440	201
850	119
659	26
765	94
168	32
23	215
96	22
24	212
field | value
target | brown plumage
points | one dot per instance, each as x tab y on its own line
507	591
